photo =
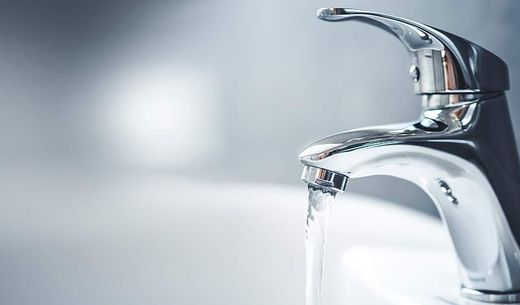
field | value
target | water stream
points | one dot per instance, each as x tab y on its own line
320	203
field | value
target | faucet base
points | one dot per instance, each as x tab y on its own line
491	297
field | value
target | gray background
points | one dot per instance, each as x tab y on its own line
223	90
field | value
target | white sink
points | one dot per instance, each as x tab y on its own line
162	240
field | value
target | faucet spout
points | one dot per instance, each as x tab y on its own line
464	157
325	179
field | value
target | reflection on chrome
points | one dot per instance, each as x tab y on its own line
461	152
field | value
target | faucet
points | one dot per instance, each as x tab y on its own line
461	151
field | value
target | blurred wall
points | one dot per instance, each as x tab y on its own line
224	89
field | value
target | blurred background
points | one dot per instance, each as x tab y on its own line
222	90
111	109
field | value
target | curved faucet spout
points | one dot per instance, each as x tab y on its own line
463	197
464	157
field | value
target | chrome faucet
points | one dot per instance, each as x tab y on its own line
461	151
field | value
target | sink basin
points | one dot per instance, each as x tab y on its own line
158	239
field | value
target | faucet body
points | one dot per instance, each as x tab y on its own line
462	153
464	157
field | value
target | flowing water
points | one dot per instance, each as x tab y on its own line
320	203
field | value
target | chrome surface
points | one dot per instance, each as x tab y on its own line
490	297
445	100
324	179
446	63
461	152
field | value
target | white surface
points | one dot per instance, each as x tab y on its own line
161	240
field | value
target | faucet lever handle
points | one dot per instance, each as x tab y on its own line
443	63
